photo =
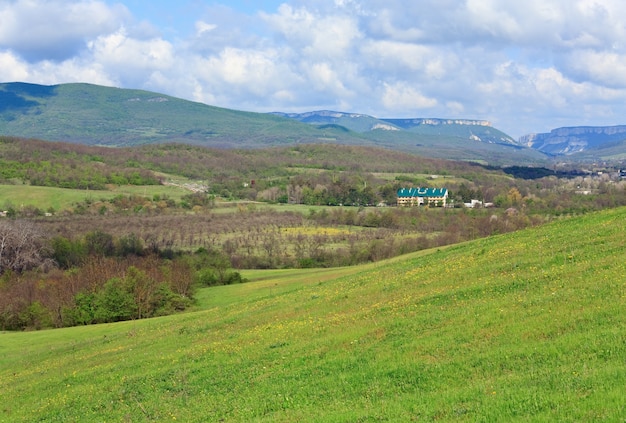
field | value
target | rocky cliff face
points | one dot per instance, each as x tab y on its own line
436	122
565	141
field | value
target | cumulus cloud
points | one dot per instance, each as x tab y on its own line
136	57
527	66
402	96
12	68
314	34
55	30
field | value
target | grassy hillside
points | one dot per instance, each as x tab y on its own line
92	114
527	326
96	115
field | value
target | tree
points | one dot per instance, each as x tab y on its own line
130	244
514	197
21	246
67	253
100	243
115	302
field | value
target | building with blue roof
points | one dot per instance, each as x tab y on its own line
422	197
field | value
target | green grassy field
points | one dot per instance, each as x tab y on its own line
62	198
528	326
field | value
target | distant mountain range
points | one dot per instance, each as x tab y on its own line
97	115
602	142
475	130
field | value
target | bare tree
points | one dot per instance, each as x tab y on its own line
21	246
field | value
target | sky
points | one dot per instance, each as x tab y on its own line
526	66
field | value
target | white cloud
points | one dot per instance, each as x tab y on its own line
131	60
120	51
324	78
202	27
526	66
55	30
316	35
398	57
12	68
605	68
403	97
255	70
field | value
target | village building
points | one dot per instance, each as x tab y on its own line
409	197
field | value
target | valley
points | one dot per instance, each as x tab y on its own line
168	260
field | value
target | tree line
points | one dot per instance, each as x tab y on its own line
56	282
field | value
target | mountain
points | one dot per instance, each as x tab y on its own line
458	139
97	115
579	142
475	130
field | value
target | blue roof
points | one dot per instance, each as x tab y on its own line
422	192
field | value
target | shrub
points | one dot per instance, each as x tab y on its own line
67	253
99	243
128	245
115	302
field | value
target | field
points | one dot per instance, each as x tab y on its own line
528	326
62	199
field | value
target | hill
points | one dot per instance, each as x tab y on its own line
581	142
522	327
96	115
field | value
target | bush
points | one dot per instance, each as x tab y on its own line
36	316
100	243
129	245
67	253
115	302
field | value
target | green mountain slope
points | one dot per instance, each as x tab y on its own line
97	115
92	114
528	326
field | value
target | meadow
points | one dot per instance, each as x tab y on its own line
62	199
526	326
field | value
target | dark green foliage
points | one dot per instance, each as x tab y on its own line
97	288
130	244
465	194
135	295
67	253
201	199
35	316
83	311
99	243
213	267
115	302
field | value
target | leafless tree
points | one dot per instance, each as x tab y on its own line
21	246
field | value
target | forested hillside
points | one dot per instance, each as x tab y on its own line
97	115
